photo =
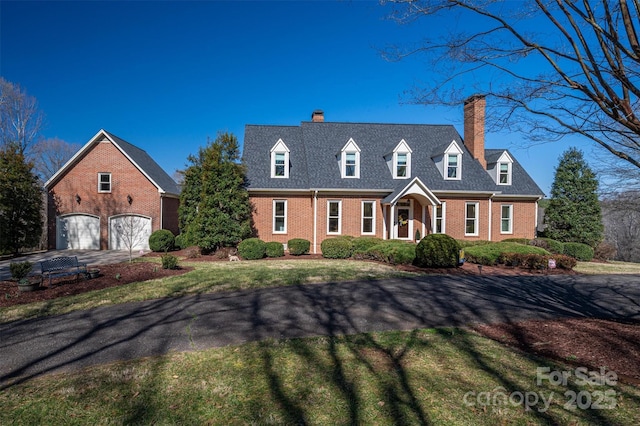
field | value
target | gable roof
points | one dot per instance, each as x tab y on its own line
138	157
314	164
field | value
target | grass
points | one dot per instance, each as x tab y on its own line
211	277
611	267
430	376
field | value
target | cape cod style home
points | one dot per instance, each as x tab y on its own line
110	195
394	181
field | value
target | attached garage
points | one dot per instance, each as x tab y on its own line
129	231
78	232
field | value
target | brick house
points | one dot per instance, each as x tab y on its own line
109	195
393	181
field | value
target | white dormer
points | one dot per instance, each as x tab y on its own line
452	162
280	160
401	161
503	169
349	157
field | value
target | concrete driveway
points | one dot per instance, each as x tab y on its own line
90	257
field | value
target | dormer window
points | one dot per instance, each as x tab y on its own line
350	160
280	160
503	169
402	161
452	162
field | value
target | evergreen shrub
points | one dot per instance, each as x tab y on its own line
298	246
169	261
252	249
492	254
437	251
362	244
579	251
549	244
20	270
395	252
274	249
162	240
337	248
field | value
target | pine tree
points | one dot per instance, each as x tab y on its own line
214	204
573	214
20	201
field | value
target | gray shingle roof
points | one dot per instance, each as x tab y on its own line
148	165
314	162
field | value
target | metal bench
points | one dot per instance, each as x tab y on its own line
62	267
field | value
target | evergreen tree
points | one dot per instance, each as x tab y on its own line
573	214
214	204
20	201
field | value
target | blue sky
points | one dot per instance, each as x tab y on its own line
165	76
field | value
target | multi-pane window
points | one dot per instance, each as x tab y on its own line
368	217
333	217
279	166
506	219
453	164
401	164
104	182
350	164
439	219
279	216
504	174
471	219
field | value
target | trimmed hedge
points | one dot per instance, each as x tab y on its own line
178	243
252	249
274	249
548	244
298	246
162	240
362	244
20	270
579	251
491	254
337	248
437	251
473	243
524	241
395	252
537	261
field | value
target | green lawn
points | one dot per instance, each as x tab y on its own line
441	376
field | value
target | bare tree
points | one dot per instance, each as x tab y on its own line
132	232
553	67
621	218
49	155
20	118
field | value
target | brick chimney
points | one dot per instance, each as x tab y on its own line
474	108
317	116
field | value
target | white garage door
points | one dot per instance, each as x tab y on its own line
129	231
78	232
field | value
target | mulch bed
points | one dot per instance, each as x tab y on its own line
590	343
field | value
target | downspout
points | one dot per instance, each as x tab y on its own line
384	222
491	215
535	221
161	212
315	222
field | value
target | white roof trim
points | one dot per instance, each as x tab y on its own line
505	158
403	146
453	148
416	186
280	146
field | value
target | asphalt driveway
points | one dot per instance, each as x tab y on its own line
90	257
33	347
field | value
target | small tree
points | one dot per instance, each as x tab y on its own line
20	201
573	214
214	204
132	232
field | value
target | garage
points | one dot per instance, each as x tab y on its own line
78	232
129	232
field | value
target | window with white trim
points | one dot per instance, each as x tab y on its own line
471	218
504	173
280	160
439	215
368	217
350	160
402	161
452	162
279	216
104	182
506	219
334	212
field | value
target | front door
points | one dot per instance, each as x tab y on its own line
403	222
